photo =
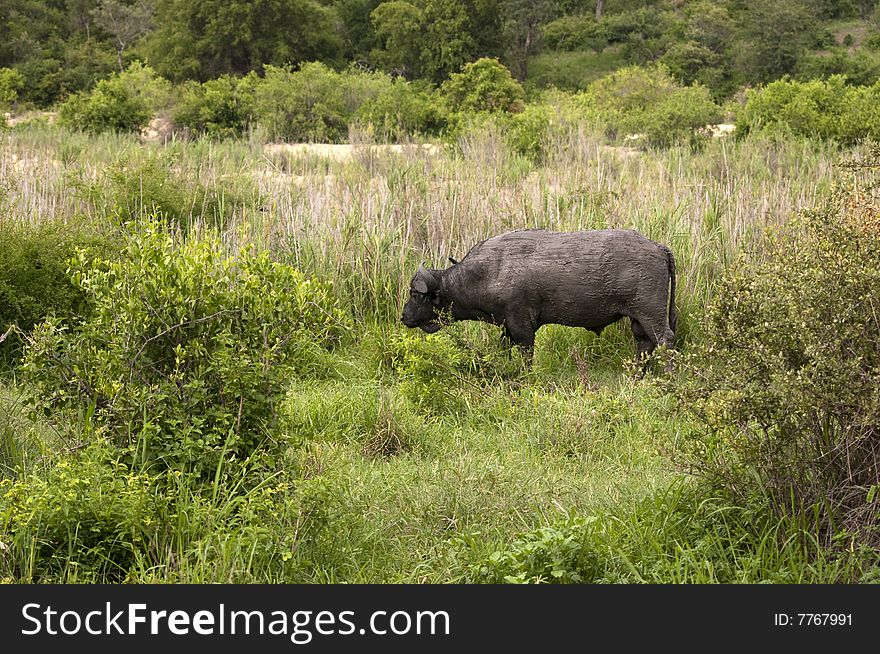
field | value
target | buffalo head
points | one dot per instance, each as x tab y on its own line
421	310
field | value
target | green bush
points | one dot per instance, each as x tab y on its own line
124	102
531	132
402	109
482	85
11	82
828	109
428	367
787	388
85	520
219	108
860	69
648	102
570	33
188	350
554	554
314	103
34	283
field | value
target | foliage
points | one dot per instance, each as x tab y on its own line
829	109
188	350
398	25
570	33
787	388
402	109
11	82
483	85
136	188
204	40
33	278
553	554
649	102
314	103
219	108
125	102
776	36
85	520
427	367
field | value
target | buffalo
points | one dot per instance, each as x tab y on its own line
532	277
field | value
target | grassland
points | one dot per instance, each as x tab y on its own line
559	471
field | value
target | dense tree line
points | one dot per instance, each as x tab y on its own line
62	46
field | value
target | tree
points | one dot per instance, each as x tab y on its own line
399	25
447	43
600	6
776	35
206	39
522	22
126	23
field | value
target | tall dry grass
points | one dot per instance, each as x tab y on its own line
366	220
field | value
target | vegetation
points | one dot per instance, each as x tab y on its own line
203	376
236	401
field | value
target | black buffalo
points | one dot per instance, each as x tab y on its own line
532	277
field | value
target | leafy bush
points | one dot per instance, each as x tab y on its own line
828	109
530	132
787	389
402	109
85	520
314	103
428	367
11	82
483	85
860	69
570	33
188	350
648	101
219	108
554	554
33	278
125	102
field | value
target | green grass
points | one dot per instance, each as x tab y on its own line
477	469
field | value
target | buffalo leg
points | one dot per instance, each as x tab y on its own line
644	343
520	332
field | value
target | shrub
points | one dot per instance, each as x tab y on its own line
828	109
554	554
648	101
860	69
85	520
33	278
403	109
570	33
428	368
11	82
530	132
219	108
125	102
787	389
483	85
314	103
188	350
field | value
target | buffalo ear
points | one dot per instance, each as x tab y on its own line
453	261
420	286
